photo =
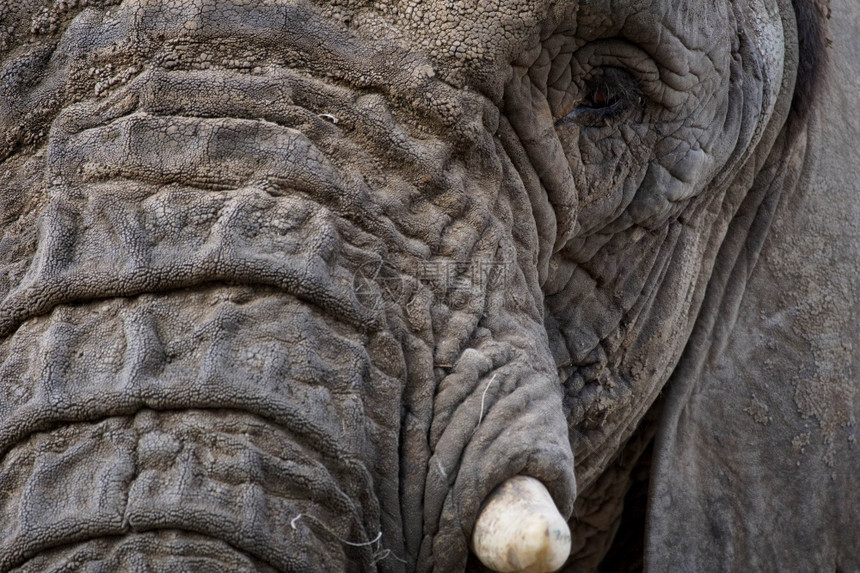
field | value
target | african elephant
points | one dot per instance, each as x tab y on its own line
350	285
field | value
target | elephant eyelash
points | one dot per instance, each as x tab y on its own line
588	115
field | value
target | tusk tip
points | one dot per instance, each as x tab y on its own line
520	529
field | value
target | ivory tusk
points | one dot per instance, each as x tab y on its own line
520	529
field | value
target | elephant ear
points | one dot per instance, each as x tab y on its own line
755	463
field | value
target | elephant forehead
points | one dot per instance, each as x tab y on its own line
470	39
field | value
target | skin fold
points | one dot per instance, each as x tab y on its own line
301	286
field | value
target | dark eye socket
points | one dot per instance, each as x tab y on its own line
609	94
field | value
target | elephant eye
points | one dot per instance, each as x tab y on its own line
609	94
600	98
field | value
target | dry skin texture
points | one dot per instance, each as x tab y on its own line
290	285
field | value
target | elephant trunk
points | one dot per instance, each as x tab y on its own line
197	420
267	313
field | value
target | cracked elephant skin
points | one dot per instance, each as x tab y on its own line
292	285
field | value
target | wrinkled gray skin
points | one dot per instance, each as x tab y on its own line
292	285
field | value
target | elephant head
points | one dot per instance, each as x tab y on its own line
345	285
